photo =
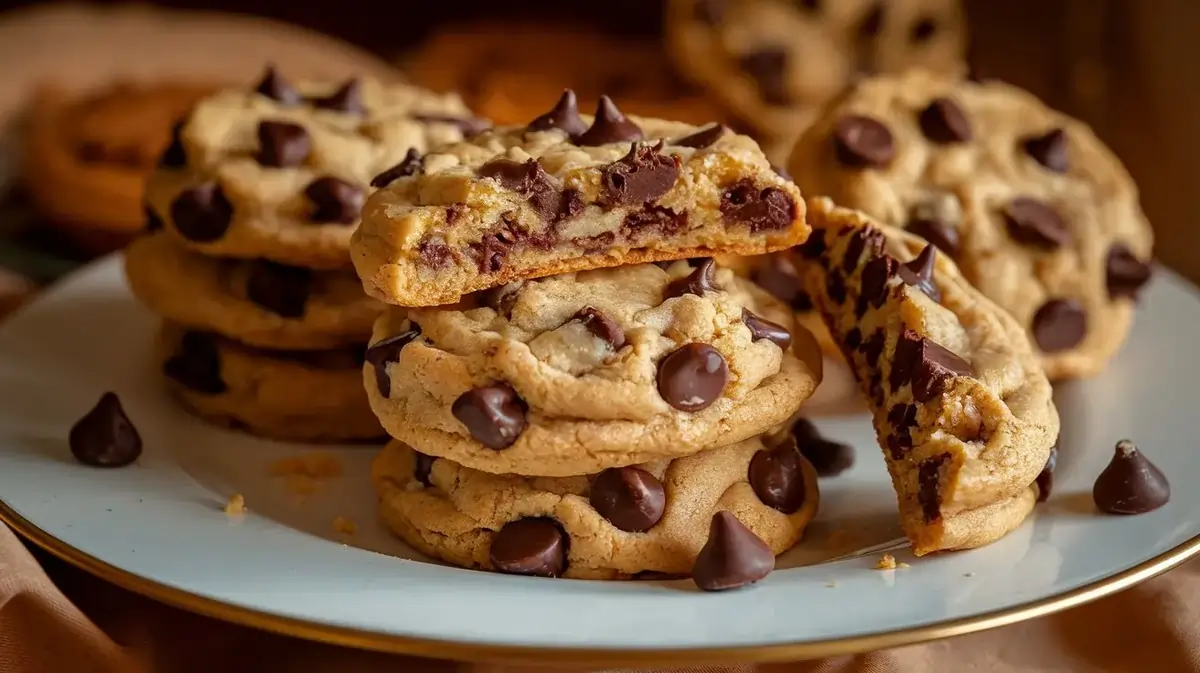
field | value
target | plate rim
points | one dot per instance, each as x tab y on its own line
521	654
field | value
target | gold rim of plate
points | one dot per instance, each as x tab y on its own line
515	654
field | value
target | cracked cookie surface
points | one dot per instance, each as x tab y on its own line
281	171
569	193
1034	209
961	406
652	518
575	373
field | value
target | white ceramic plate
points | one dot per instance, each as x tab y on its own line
157	527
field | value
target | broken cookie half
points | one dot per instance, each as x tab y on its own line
961	406
568	193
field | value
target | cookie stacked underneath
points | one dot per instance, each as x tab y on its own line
250	213
561	405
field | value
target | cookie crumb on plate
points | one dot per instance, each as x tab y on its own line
236	506
886	562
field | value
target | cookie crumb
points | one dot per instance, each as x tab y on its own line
235	506
344	526
886	562
307	473
968	574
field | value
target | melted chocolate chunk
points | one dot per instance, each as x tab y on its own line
1059	325
761	328
925	364
282	144
1131	484
1124	273
411	164
494	415
777	477
860	241
1035	224
386	351
334	201
641	176
904	418
655	220
1045	478
929	486
828	458
105	437
768	67
732	557
778	276
862	142
692	377
278	288
531	546
469	126
175	156
630	498
944	122
703	138
274	86
702	279
602	327
531	181
1049	150
202	213
563	116
609	126
919	273
434	253
769	209
196	364
347	98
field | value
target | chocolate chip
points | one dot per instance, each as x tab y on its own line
927	223
1049	150
929	477
282	144
654	220
153	221
1034	223
494	415
702	279
862	142
857	245
904	418
1131	484
778	276
630	498
835	286
923	30
531	546
422	466
1045	478
278	288
197	364
609	126
386	351
768	68
202	213
828	458
347	98
564	116
468	126
275	87
105	437
692	377
335	201
769	209
761	328
926	364
919	273
872	348
528	179
777	478
174	156
732	557
434	253
411	164
944	122
641	176
1124	273
1059	325
709	12
703	138
602	327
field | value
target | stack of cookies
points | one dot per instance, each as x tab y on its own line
575	388
250	213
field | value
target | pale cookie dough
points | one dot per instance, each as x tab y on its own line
256	302
570	193
1036	211
302	396
575	373
281	172
660	511
962	409
775	63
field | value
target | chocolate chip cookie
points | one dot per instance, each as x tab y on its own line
568	193
962	408
258	302
583	371
776	62
621	523
1036	211
280	171
303	396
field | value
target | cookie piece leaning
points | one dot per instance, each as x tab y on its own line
281	172
962	408
1034	209
257	302
622	523
570	193
301	396
584	371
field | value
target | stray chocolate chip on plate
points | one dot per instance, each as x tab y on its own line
1131	484
104	436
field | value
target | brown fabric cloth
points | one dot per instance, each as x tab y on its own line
56	619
